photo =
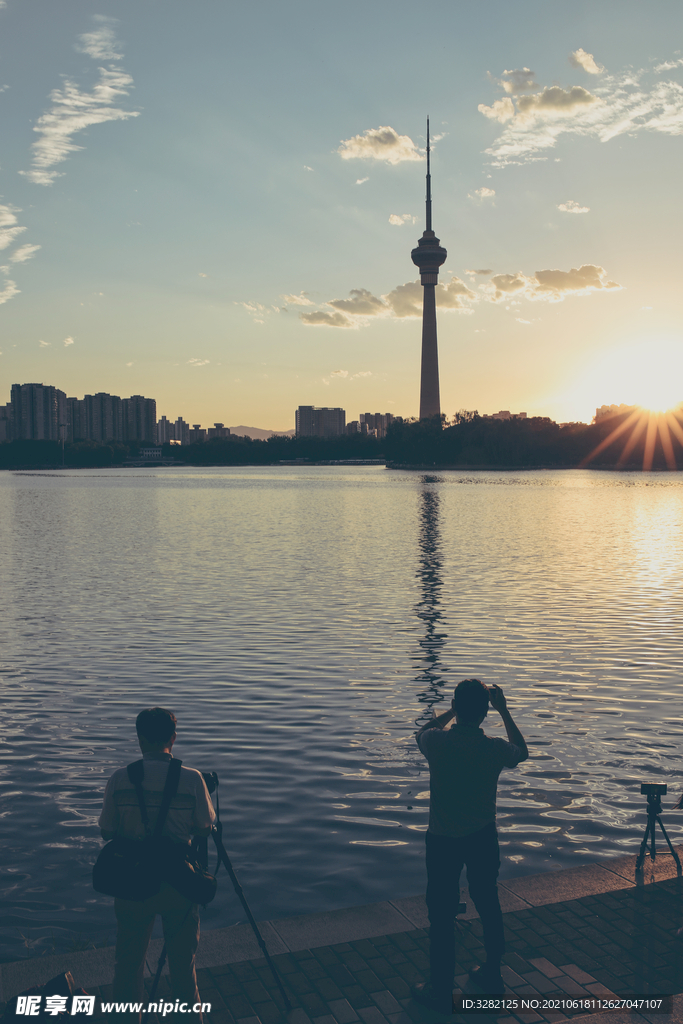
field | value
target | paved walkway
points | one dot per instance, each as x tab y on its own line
577	933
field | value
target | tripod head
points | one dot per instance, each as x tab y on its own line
654	792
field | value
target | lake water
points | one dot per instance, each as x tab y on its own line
299	622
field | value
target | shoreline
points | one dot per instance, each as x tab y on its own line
220	947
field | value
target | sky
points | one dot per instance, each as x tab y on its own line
213	204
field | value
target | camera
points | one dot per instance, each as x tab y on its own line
653	788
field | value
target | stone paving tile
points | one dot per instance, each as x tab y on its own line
618	942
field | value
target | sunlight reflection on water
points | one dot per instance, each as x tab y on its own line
299	622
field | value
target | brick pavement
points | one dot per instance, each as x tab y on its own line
620	942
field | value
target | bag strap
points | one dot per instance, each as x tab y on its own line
136	774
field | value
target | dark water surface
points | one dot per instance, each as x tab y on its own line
298	622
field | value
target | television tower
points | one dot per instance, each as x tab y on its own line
429	256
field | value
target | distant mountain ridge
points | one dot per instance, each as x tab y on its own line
258	433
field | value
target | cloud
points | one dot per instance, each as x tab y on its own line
450	295
548	285
625	103
297	300
361	303
100	44
361	181
202	275
68	341
556	99
307	168
571	207
520	321
8	292
322	319
554	284
7	235
406	299
484	271
129	364
380	144
580	59
344	375
398	219
504	285
521	80
198	362
71	112
23	253
481	194
44	344
500	110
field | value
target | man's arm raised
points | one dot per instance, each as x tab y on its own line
497	698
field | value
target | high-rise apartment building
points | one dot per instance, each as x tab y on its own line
218	430
39	413
6	422
139	418
312	421
182	431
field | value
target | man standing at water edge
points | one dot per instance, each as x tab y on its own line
190	812
464	765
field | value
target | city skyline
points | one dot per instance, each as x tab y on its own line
216	209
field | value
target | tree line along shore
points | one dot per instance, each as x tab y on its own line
468	441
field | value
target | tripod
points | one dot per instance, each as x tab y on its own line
211	780
654	809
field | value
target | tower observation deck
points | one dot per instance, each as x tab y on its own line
429	256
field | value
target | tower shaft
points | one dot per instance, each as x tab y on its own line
429	256
430	401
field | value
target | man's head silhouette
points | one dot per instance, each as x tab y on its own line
470	702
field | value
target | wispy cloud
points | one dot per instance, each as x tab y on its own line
198	362
586	61
9	229
481	194
23	253
548	285
72	110
382	143
629	102
571	207
68	341
44	344
322	319
100	44
361	303
485	271
398	219
361	181
346	376
8	292
297	300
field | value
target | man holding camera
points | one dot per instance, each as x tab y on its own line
190	813
464	765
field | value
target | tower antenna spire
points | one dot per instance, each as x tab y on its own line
429	183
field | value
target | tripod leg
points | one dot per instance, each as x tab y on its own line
673	852
240	894
643	845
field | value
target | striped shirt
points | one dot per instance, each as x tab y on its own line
191	810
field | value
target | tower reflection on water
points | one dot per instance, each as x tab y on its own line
429	608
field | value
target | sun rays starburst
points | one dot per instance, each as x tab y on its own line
657	425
